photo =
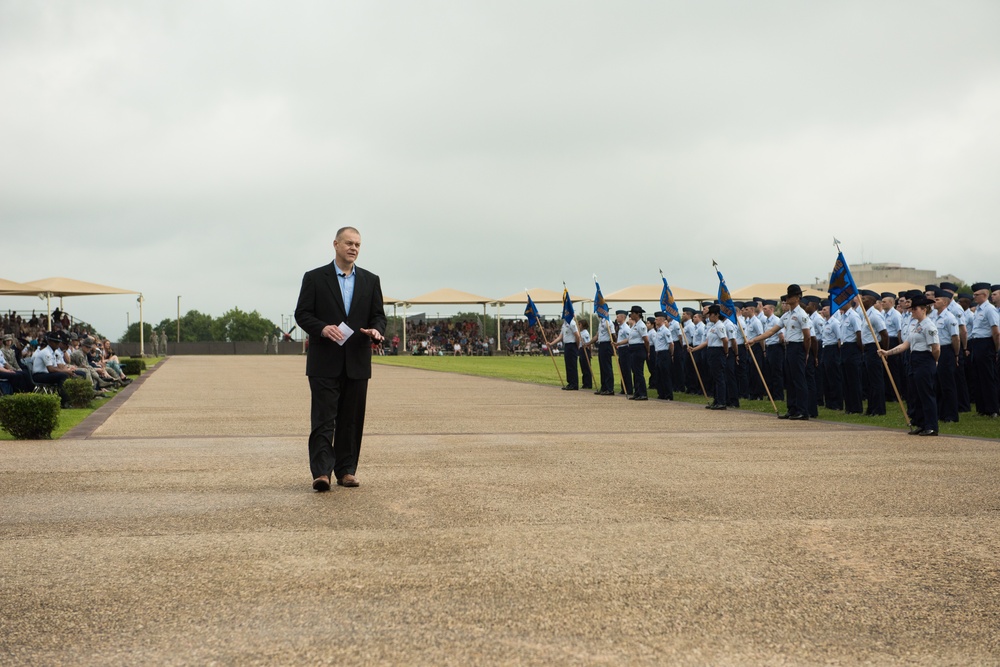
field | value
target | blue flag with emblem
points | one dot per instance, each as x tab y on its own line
600	305
568	312
842	287
726	306
531	312
667	303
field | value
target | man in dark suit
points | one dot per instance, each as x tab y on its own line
339	364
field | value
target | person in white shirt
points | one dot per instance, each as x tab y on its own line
925	349
569	334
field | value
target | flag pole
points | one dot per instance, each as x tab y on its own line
541	330
753	356
885	363
694	363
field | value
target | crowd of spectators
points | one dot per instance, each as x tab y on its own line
25	328
33	355
464	337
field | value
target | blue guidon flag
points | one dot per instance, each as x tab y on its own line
568	312
726	306
531	312
667	304
842	287
600	305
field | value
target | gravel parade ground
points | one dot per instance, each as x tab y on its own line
497	523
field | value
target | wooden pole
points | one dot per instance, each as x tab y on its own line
541	330
754	357
885	363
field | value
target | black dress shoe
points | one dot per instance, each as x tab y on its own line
799	418
716	407
640	398
785	416
927	432
570	388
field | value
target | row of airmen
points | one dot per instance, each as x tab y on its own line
808	356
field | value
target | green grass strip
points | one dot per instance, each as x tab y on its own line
539	370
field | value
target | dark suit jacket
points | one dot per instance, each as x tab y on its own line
321	303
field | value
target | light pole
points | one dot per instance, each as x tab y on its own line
178	318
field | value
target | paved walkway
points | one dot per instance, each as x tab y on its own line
497	523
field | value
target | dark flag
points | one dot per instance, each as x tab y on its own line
842	287
568	312
600	305
726	306
667	304
531	312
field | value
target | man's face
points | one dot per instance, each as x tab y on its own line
825	312
888	304
696	318
660	321
620	317
347	246
868	302
995	298
940	303
768	310
980	296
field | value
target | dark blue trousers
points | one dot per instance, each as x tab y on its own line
984	366
637	361
743	370
732	384
757	391
876	380
717	367
923	378
795	364
947	390
665	382
604	360
586	377
851	362
776	371
624	359
833	381
570	353
812	391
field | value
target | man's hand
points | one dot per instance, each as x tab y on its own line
373	334
333	333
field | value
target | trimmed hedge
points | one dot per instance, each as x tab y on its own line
79	391
29	416
132	366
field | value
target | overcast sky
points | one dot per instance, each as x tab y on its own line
211	149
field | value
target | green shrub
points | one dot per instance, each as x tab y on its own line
29	416
79	391
133	366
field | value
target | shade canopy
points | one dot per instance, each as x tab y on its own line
651	293
446	295
10	287
540	295
895	288
770	291
389	301
69	287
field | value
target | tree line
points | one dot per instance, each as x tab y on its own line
198	327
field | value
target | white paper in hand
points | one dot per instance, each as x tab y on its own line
346	330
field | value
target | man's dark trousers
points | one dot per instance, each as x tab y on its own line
717	366
812	390
570	353
732	383
338	419
626	368
851	362
876	380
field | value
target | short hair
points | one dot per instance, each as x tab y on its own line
346	229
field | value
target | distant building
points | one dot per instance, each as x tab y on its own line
886	272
